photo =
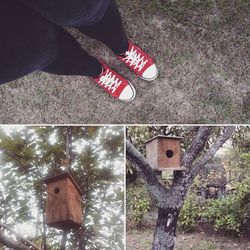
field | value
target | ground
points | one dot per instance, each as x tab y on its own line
201	49
197	240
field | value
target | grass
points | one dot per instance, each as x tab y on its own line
202	52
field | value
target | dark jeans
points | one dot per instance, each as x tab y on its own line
29	42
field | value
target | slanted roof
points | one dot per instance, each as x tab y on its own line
64	175
165	136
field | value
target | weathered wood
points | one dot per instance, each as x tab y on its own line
164	153
165	230
151	153
63	209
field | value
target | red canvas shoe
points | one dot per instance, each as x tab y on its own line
114	84
140	62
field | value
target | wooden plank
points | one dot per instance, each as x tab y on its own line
63	208
75	204
173	146
56	209
152	153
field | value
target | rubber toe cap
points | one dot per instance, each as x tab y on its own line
127	94
150	73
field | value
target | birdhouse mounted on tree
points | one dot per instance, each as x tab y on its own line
164	152
63	204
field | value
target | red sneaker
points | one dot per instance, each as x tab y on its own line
114	84
140	62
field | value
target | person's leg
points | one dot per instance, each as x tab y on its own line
32	43
71	59
109	30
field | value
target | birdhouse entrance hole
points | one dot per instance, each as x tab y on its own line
164	153
169	153
56	190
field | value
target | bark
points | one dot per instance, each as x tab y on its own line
83	234
21	244
44	236
8	242
165	230
197	167
147	172
184	179
82	240
44	233
64	240
82	244
196	146
69	147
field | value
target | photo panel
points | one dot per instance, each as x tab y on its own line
62	187
124	62
187	187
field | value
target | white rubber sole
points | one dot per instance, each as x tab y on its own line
150	79
134	93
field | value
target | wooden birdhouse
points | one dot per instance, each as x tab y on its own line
164	152
63	205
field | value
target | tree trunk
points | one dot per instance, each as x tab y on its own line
165	230
44	236
64	240
82	243
82	235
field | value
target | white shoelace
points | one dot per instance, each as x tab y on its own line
109	81
135	59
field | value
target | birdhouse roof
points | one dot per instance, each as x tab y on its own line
65	175
165	136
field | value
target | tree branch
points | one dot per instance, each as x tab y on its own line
194	171
11	243
44	229
196	146
6	241
154	186
182	179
